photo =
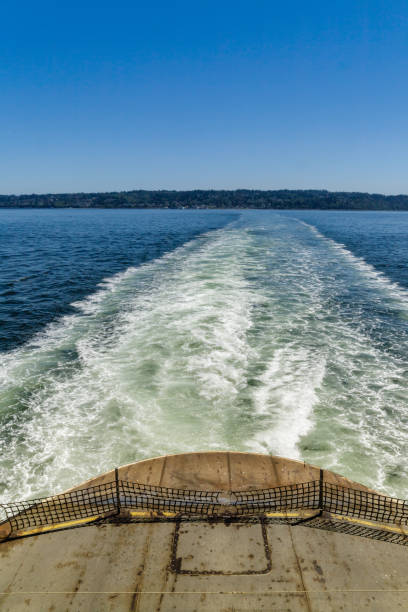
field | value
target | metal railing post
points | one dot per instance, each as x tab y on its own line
117	490
321	485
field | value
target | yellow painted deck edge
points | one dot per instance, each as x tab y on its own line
302	514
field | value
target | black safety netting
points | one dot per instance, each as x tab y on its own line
315	504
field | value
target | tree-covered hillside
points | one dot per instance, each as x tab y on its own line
240	198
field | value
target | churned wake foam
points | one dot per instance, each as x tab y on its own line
248	338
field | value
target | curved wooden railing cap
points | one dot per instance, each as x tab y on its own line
220	471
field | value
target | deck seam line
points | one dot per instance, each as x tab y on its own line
162	471
309	607
229	471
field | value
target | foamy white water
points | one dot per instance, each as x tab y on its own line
241	339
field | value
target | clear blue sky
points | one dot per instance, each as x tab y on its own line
99	96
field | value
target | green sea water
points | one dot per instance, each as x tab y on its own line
267	333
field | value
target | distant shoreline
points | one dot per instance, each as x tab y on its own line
237	208
200	199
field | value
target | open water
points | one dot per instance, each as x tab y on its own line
128	334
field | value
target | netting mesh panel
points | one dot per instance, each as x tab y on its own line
79	504
290	497
164	499
358	530
111	498
364	504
